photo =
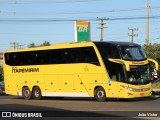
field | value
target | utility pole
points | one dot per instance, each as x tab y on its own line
147	22
14	45
102	27
132	34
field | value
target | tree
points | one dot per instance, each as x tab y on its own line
32	45
46	43
153	51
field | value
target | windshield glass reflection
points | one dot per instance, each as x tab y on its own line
139	75
132	53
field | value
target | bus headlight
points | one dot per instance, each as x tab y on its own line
129	88
132	79
126	87
136	90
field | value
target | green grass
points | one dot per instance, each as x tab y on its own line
156	85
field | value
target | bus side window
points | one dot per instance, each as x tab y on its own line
54	57
90	56
79	56
116	72
51	57
75	55
72	56
42	57
29	58
15	59
112	74
21	59
63	55
8	58
113	53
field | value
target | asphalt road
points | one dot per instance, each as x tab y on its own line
83	107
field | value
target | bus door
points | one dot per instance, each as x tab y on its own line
121	81
112	86
116	73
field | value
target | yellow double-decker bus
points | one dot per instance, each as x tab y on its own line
84	69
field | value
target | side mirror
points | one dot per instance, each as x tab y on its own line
155	62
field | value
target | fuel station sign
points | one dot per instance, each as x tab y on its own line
82	31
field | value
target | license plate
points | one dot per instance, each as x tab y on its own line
141	94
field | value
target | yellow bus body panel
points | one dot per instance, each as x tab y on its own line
73	80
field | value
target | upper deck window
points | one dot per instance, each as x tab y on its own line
132	53
109	52
53	56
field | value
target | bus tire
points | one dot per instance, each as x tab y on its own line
100	94
37	94
26	93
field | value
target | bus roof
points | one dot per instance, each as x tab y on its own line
115	43
55	46
77	44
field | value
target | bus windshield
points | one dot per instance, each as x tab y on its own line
132	53
139	75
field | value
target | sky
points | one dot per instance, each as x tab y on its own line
36	21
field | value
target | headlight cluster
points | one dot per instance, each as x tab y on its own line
126	87
134	89
132	79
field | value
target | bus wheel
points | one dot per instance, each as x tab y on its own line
100	94
26	93
37	93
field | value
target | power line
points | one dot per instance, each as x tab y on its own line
133	18
155	39
73	12
46	2
70	20
134	22
154	23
